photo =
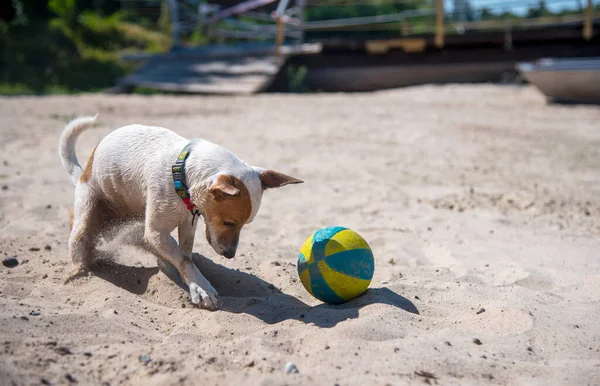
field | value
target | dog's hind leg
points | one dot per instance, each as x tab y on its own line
87	217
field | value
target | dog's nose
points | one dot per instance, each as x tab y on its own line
230	253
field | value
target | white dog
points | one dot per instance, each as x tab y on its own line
155	175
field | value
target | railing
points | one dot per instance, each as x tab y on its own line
241	21
290	21
441	17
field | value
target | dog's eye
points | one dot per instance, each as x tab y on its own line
229	224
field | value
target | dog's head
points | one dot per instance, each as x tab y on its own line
231	202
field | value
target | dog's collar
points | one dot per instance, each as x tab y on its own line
178	172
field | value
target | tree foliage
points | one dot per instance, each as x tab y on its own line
69	45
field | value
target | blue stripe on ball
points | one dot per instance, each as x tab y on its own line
320	240
326	233
320	287
302	263
357	263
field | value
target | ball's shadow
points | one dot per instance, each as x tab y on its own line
241	292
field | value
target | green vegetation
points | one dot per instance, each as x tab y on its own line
334	9
296	76
64	46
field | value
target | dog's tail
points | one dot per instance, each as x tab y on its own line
66	146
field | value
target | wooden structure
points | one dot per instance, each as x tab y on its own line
193	74
422	43
239	69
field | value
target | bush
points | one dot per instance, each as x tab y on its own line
71	52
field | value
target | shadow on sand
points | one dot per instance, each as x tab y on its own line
241	292
132	279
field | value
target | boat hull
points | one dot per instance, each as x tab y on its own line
565	80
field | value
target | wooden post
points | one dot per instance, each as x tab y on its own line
280	35
439	24
280	14
587	24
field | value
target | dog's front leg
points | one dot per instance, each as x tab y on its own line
201	291
187	231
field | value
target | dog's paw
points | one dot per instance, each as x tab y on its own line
78	271
205	298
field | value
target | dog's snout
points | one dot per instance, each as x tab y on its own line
229	253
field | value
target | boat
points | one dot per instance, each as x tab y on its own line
568	80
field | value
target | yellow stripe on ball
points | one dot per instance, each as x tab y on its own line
343	241
346	287
306	249
305	279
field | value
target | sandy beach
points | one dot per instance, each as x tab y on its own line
481	204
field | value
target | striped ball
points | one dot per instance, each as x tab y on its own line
335	265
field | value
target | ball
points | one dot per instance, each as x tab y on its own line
335	265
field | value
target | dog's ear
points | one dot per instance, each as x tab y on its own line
271	179
223	186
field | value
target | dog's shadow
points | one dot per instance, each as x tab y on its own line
132	279
241	292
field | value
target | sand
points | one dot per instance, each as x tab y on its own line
481	205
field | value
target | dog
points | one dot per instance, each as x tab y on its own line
154	175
